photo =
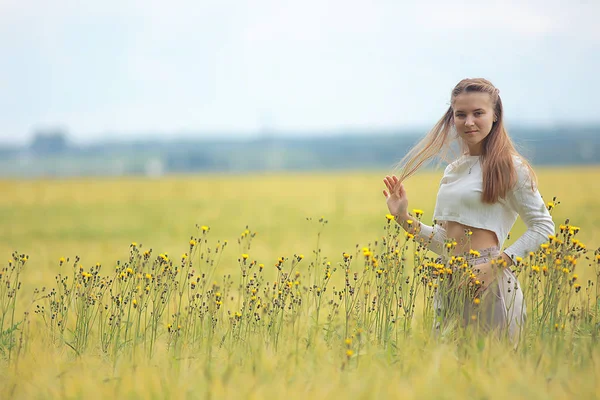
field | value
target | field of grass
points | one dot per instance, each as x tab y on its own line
212	345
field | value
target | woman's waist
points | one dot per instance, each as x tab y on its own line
474	256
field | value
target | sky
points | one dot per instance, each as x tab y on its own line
125	69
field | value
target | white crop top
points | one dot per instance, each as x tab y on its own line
459	200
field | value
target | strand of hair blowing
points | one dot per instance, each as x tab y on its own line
435	143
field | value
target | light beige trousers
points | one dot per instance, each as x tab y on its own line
501	308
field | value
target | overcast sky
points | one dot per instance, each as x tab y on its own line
128	68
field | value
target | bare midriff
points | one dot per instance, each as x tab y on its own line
479	239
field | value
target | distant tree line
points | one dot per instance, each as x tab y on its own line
50	153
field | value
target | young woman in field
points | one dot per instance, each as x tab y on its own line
479	198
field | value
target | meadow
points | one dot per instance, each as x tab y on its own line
273	285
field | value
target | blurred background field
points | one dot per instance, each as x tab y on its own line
97	219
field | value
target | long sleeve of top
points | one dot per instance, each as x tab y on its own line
459	199
434	237
527	202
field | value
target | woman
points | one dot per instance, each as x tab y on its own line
479	198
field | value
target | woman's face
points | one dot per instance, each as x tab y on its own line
473	119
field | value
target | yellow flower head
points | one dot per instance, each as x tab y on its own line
389	217
417	212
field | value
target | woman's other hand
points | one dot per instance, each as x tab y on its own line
485	275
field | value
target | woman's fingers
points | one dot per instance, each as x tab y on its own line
385	194
389	184
394	186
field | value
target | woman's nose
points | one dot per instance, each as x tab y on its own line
469	121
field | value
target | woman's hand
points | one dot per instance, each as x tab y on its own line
395	195
485	275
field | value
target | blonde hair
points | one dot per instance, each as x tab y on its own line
499	173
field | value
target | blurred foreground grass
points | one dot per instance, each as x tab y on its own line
98	219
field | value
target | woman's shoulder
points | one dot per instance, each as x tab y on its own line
524	171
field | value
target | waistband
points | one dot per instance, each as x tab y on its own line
480	256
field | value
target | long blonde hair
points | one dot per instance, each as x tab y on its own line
499	173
